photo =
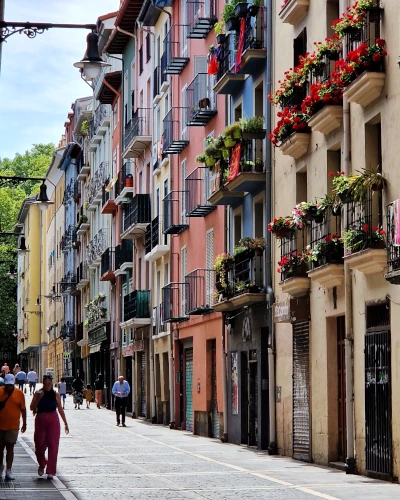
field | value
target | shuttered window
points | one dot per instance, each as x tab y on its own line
183	278
209	266
183	189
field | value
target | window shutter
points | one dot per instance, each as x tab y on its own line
183	189
209	266
183	278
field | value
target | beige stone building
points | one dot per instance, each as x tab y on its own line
336	332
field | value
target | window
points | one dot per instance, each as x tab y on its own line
133	85
238	112
183	185
157	202
237	227
259	219
158	124
148	47
126	98
141	60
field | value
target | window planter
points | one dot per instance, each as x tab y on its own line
328	119
283	233
366	88
229	142
296	145
255	135
346	196
221	38
241	9
253	10
370	261
328	275
294	11
232	24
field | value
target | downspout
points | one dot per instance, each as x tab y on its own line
40	298
272	446
224	437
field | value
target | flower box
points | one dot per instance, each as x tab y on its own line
296	145
328	275
294	11
255	135
241	9
232	24
328	119
370	261
296	286
366	88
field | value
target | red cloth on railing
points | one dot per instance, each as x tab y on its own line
213	65
238	61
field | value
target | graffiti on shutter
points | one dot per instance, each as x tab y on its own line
301	391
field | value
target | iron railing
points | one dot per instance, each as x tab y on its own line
68	192
201	100
370	31
96	247
158	324
201	17
154	235
252	157
324	232
200	291
138	211
174	302
123	253
125	172
175	212
198	191
175	137
82	272
137	305
107	261
77	190
176	49
68	283
226	56
68	331
96	183
138	126
102	112
246	276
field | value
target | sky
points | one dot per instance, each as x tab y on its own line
38	82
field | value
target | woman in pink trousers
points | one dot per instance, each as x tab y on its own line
45	404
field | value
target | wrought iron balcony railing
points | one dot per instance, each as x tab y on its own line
68	284
68	331
174	297
201	100
82	275
176	49
201	18
101	116
123	254
175	138
107	267
198	191
159	327
96	248
138	132
137	213
68	193
200	291
137	305
94	187
175	212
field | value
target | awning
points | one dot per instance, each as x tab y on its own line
82	342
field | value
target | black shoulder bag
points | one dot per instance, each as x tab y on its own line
3	403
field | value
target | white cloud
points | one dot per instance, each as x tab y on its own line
38	82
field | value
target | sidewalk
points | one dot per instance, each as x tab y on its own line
27	484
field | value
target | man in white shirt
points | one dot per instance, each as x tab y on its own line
121	390
32	379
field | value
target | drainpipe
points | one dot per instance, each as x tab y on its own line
152	387
224	437
133	381
350	459
272	446
171	380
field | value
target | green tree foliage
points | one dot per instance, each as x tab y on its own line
33	163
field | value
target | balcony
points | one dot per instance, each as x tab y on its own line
107	267
68	284
67	239
201	17
200	292
77	191
137	309
219	194
294	11
136	216
138	134
242	286
96	248
95	185
201	101
393	246
156	242
68	193
176	49
82	279
228	82
174	297
108	202
198	191
175	137
83	172
68	331
175	213
254	48
101	122
159	327
82	223
123	189
96	311
123	257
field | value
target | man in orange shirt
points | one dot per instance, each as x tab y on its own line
13	402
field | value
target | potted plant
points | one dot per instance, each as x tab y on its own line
343	186
329	250
372	7
368	180
219	29
247	165
201	158
281	227
331	48
256	244
223	263
228	17
252	127
362	237
241	9
254	7
293	264
234	131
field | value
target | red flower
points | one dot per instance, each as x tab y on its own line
331	174
335	235
327	238
365	228
376	57
375	228
382	232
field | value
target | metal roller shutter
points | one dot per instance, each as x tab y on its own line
189	389
143	412
301	391
215	413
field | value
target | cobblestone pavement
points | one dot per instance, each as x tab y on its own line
98	460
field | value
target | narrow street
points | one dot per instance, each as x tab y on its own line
98	460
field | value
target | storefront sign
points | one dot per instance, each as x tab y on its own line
291	310
97	336
138	345
94	348
127	351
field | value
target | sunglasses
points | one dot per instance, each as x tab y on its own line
47	377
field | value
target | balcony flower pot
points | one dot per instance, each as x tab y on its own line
229	142
352	30
129	180
237	133
210	162
259	166
300	272
221	38
346	196
311	212
255	135
232	24
336	211
283	233
366	88
253	10
225	154
241	9
332	55
259	251
378	244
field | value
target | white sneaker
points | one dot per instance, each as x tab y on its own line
50	476
40	471
9	474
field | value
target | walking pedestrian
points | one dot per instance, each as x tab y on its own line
99	386
62	391
88	395
12	406
121	391
32	378
45	404
77	386
16	369
20	379
1	379
5	369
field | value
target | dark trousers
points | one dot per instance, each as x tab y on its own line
120	408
